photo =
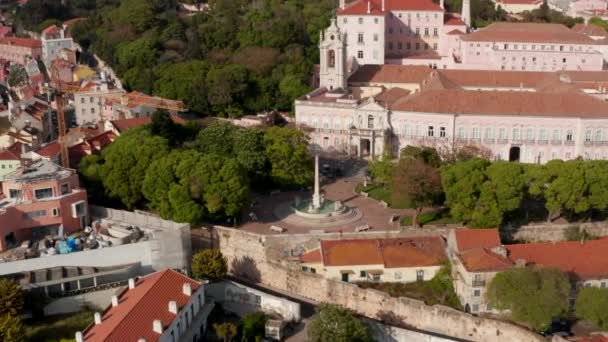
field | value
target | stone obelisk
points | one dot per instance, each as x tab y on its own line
316	197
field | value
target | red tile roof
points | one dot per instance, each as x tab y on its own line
453	20
392	253
456	31
483	260
593	338
590	30
528	33
8	155
586	260
312	257
25	42
571	104
476	238
390	73
126	124
360	7
133	318
50	150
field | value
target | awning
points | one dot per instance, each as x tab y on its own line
347	272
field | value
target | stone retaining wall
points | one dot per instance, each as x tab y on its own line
247	257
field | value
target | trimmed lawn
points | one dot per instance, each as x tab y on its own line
439	290
57	328
381	192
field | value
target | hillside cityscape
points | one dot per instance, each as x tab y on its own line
293	170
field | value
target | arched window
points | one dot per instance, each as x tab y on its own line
598	135
331	58
588	135
370	121
569	135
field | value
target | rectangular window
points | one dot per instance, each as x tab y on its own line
435	46
363	274
14	193
543	134
82	100
476	293
502	133
91	99
530	134
426	31
360	20
360	54
516	135
417	46
426	46
34	214
475	133
442	132
65	188
435	32
375	37
417	31
43	193
603	285
56	211
397	275
419	275
556	135
489	133
475	308
431	132
408	45
360	38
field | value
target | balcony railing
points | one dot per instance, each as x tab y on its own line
569	142
488	141
479	283
556	142
501	141
542	142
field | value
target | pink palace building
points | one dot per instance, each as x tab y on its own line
38	200
395	73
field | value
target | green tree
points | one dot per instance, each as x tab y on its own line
11	328
568	189
209	264
227	87
535	296
17	76
292	87
462	183
184	81
287	152
428	155
126	162
249	150
417	182
254	325
333	323
162	125
382	169
226	331
138	53
591	305
11	298
216	138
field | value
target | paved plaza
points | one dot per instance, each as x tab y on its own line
370	211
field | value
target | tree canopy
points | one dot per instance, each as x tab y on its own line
290	161
209	264
335	323
11	298
534	296
591	304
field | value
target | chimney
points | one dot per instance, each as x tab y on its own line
342	4
384	6
114	301
157	326
441	4
369	7
97	317
173	307
79	337
131	283
187	289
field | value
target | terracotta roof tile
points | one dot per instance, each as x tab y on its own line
528	33
50	150
388	97
390	74
452	19
312	257
590	30
360	7
133	318
476	238
25	42
514	103
392	253
502	79
483	260
456	31
584	260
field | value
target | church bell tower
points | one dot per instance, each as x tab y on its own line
332	46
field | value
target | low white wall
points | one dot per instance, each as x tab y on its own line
242	300
381	332
105	257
